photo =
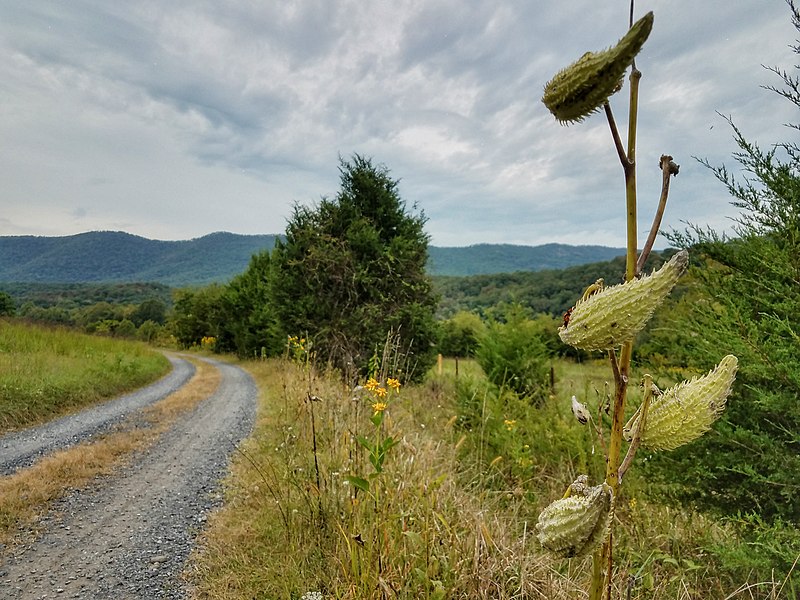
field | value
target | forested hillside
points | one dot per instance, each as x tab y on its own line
113	256
506	258
550	291
118	257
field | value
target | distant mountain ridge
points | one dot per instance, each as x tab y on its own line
119	257
487	259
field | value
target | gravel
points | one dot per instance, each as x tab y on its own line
22	448
130	535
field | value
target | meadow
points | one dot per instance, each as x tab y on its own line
433	491
50	371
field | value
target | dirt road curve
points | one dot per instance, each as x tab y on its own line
129	536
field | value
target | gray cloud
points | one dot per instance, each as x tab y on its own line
177	119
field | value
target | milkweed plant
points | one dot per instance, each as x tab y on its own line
608	319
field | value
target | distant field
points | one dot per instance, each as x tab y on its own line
46	372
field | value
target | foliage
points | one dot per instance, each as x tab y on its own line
460	334
456	505
7	306
70	296
249	323
352	269
506	258
513	354
747	298
198	313
547	291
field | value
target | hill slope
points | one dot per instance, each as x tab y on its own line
484	259
117	257
113	256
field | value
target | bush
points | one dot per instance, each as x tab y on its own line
513	354
352	269
746	300
459	336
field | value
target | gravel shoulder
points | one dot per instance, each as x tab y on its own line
129	536
22	448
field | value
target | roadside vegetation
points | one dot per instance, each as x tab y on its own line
451	511
45	371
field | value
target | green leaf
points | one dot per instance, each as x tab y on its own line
358	482
377	418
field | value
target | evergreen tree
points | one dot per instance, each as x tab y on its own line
352	270
747	301
249	323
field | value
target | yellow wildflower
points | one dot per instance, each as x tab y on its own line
372	384
393	383
509	423
380	392
379	407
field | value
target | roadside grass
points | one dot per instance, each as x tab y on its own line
26	494
45	372
451	513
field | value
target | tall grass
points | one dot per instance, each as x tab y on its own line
451	514
49	371
294	524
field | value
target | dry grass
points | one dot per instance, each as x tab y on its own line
438	522
26	494
426	530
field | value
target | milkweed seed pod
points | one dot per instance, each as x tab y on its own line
616	314
580	411
685	412
576	525
584	86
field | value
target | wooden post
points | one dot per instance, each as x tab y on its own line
440	364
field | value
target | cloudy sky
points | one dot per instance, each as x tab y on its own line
176	119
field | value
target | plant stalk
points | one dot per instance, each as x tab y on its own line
602	559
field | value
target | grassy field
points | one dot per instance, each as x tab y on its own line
433	492
46	372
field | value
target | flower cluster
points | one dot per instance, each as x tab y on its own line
208	342
379	392
297	348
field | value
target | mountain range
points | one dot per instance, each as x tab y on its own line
113	256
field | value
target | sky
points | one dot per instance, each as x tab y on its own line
172	120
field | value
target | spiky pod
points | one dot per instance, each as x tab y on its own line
584	86
685	412
576	525
615	315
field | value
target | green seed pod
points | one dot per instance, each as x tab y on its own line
576	525
685	412
584	86
616	314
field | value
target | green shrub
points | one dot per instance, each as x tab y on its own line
459	336
513	354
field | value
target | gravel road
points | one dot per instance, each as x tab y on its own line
129	536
